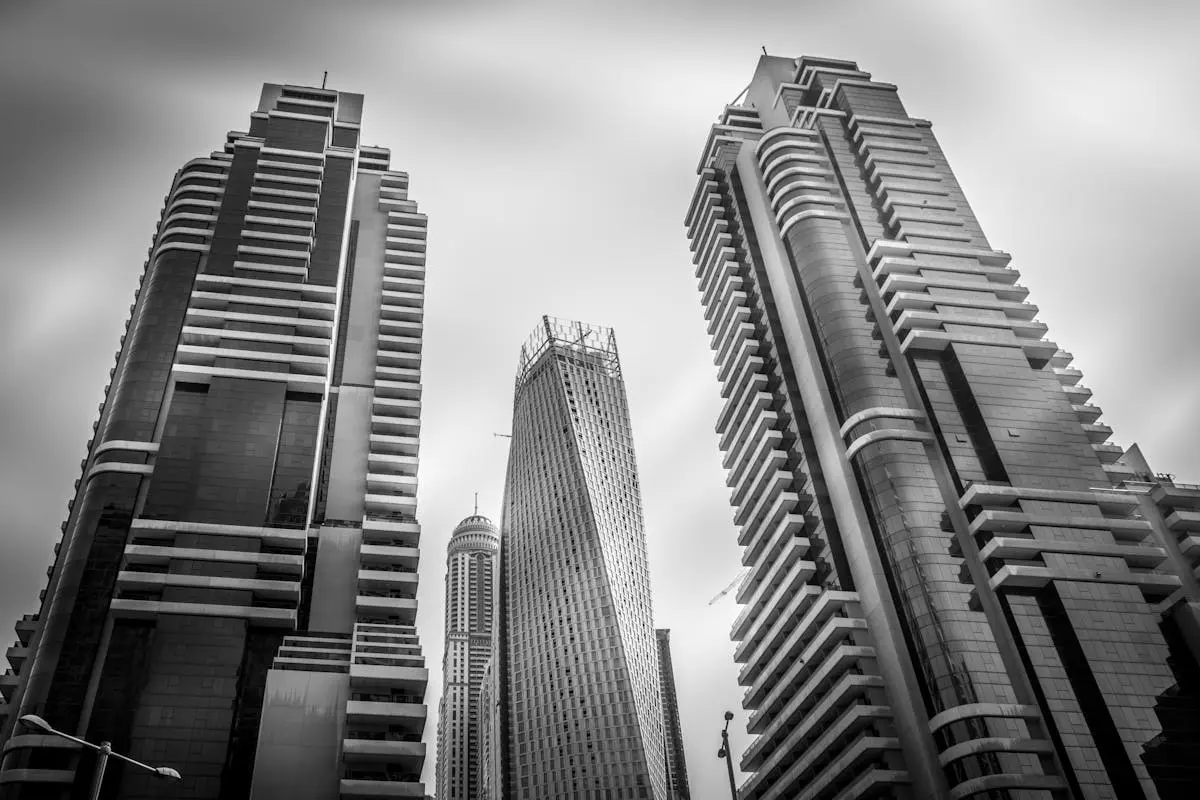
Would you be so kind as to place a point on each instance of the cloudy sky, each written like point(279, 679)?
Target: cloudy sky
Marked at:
point(554, 148)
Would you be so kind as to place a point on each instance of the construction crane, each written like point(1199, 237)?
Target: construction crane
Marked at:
point(733, 584)
point(502, 435)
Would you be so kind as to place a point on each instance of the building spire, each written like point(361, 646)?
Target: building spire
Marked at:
point(477, 504)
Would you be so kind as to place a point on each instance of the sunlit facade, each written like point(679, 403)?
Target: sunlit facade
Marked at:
point(582, 709)
point(951, 590)
point(234, 595)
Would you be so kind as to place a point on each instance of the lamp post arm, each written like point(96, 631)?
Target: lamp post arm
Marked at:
point(70, 738)
point(134, 761)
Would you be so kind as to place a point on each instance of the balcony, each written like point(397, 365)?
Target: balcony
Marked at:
point(387, 712)
point(397, 581)
point(390, 355)
point(391, 533)
point(364, 789)
point(152, 581)
point(8, 685)
point(383, 464)
point(376, 556)
point(1184, 520)
point(404, 384)
point(17, 654)
point(411, 680)
point(402, 610)
point(410, 754)
point(25, 628)
point(394, 445)
point(379, 503)
point(153, 554)
point(395, 425)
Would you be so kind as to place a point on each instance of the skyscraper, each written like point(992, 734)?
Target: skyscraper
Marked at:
point(489, 770)
point(471, 564)
point(948, 592)
point(582, 711)
point(677, 780)
point(234, 592)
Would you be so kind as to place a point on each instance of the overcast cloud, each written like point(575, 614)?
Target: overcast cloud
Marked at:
point(554, 148)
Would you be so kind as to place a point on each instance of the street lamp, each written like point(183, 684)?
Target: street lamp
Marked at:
point(727, 754)
point(104, 749)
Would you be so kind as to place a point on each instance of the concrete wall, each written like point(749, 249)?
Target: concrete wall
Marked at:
point(300, 742)
point(366, 286)
point(336, 581)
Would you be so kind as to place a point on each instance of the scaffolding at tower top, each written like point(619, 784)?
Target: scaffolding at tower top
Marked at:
point(594, 345)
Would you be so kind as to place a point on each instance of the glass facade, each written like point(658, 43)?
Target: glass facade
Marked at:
point(915, 464)
point(198, 589)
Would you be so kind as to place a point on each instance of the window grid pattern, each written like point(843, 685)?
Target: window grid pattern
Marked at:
point(585, 712)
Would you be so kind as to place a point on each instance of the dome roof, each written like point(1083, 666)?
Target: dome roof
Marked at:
point(476, 522)
point(475, 533)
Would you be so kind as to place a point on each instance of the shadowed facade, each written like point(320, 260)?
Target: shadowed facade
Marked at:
point(234, 592)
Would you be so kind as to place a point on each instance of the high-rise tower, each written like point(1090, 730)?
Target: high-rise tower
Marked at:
point(471, 582)
point(581, 705)
point(677, 780)
point(947, 594)
point(234, 592)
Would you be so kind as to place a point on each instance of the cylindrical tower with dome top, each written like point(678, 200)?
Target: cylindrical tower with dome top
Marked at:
point(471, 561)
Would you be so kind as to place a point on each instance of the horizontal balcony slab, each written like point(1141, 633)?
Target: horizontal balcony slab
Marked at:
point(986, 494)
point(382, 554)
point(219, 301)
point(295, 381)
point(154, 554)
point(998, 521)
point(387, 579)
point(1028, 549)
point(387, 464)
point(207, 355)
point(1177, 496)
point(390, 503)
point(143, 581)
point(1189, 546)
point(351, 789)
point(377, 750)
point(402, 609)
point(1153, 585)
point(807, 747)
point(378, 711)
point(216, 337)
point(17, 655)
point(937, 341)
point(775, 621)
point(393, 445)
point(410, 678)
point(1183, 520)
point(126, 608)
point(276, 537)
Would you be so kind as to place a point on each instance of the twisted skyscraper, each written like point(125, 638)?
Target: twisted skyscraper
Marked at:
point(954, 588)
point(234, 592)
point(579, 662)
